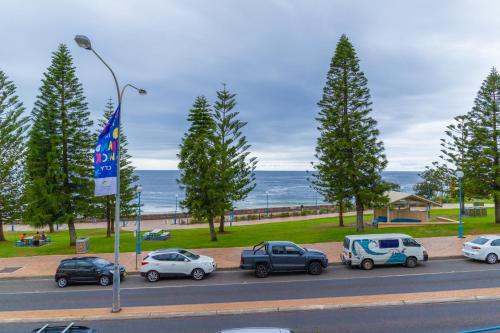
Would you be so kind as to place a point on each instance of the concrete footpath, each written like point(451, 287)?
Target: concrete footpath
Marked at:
point(226, 258)
point(166, 311)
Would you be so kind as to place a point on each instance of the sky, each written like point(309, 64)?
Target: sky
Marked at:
point(424, 61)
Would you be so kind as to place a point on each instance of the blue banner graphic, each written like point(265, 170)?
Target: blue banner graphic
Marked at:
point(105, 154)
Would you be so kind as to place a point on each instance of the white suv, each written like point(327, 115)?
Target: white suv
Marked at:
point(172, 262)
point(485, 248)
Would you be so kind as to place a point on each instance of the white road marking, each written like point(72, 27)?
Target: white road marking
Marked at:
point(246, 282)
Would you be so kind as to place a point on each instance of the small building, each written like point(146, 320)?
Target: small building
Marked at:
point(405, 207)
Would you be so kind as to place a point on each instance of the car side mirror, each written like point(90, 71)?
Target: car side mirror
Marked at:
point(186, 260)
point(302, 253)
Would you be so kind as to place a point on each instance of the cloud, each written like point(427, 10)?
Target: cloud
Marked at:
point(424, 62)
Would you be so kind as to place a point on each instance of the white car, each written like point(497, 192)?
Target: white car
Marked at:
point(173, 262)
point(484, 248)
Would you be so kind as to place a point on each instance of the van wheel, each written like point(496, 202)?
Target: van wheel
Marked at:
point(491, 258)
point(367, 264)
point(411, 262)
point(261, 271)
point(315, 268)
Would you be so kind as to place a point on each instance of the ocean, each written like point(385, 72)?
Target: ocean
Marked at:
point(284, 188)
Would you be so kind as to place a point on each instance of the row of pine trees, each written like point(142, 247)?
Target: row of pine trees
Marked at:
point(46, 161)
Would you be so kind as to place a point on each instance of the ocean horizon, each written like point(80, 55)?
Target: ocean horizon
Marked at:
point(284, 188)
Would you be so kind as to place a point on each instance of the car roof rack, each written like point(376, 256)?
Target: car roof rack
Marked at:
point(65, 330)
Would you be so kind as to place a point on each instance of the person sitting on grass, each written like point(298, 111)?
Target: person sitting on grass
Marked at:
point(43, 236)
point(36, 239)
point(22, 237)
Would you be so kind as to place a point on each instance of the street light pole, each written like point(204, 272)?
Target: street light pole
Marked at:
point(316, 199)
point(460, 175)
point(138, 244)
point(84, 42)
point(175, 213)
point(267, 203)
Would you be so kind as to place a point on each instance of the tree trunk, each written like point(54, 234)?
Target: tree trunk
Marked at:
point(2, 235)
point(360, 227)
point(112, 222)
point(72, 233)
point(51, 228)
point(341, 214)
point(497, 207)
point(213, 236)
point(221, 225)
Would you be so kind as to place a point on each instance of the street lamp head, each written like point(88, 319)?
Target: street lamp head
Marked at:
point(139, 189)
point(142, 92)
point(460, 174)
point(83, 41)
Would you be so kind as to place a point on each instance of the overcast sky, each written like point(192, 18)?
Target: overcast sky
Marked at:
point(424, 60)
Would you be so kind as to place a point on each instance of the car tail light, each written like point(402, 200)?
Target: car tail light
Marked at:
point(241, 260)
point(350, 255)
point(144, 263)
point(475, 248)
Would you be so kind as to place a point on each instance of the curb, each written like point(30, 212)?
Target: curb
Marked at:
point(271, 309)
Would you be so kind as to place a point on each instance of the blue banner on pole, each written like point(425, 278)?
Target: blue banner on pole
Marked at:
point(105, 154)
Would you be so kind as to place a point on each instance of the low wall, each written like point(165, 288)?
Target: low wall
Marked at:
point(240, 214)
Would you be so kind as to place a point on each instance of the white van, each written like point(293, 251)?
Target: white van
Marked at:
point(382, 249)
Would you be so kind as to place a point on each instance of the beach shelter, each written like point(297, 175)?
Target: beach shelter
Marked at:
point(404, 207)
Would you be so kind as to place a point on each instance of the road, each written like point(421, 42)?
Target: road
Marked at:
point(428, 318)
point(231, 286)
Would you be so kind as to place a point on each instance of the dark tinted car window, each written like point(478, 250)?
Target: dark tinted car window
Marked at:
point(496, 242)
point(410, 242)
point(278, 250)
point(83, 264)
point(68, 265)
point(178, 257)
point(164, 257)
point(480, 241)
point(292, 250)
point(388, 243)
point(347, 243)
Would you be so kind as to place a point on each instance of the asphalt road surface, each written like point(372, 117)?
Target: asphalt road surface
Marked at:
point(426, 318)
point(230, 286)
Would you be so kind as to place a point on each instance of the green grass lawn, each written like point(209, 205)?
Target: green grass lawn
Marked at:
point(311, 231)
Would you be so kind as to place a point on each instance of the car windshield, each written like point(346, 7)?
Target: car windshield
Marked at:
point(189, 254)
point(480, 241)
point(101, 262)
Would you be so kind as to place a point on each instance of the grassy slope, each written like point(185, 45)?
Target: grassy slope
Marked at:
point(311, 231)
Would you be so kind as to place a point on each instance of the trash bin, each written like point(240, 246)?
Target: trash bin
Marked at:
point(82, 245)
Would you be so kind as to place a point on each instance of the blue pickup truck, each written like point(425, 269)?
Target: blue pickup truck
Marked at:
point(267, 257)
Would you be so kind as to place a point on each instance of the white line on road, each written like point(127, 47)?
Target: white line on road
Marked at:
point(246, 282)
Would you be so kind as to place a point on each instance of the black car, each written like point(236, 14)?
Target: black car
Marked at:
point(86, 270)
point(71, 328)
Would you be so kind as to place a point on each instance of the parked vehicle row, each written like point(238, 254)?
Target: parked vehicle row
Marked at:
point(364, 251)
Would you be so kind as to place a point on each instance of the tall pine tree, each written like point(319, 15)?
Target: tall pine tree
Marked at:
point(128, 188)
point(13, 127)
point(198, 169)
point(485, 132)
point(236, 177)
point(351, 157)
point(59, 160)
